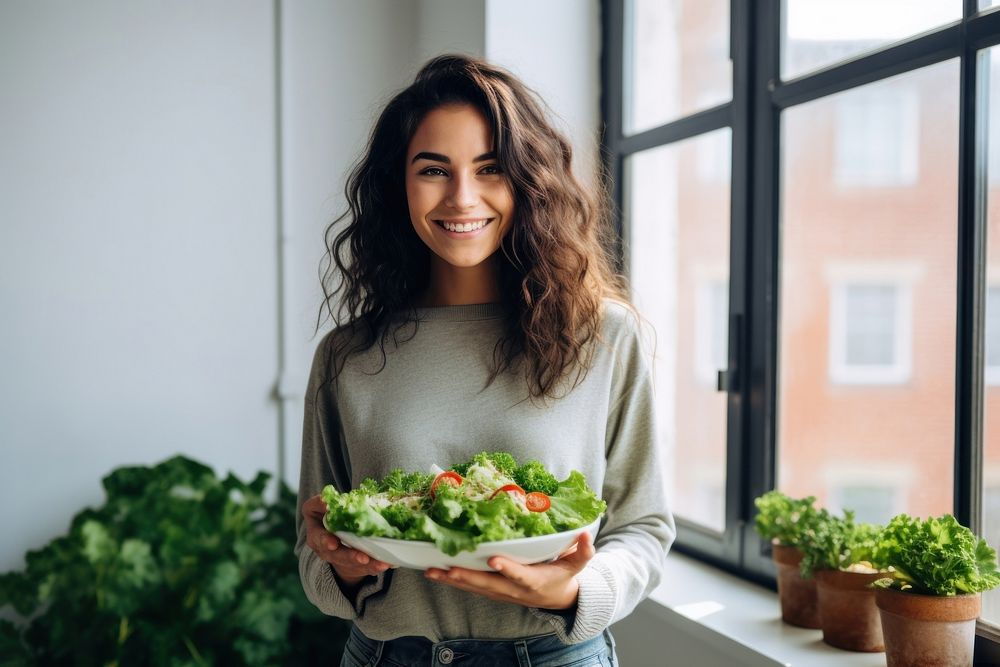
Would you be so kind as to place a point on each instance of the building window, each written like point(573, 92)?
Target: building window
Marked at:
point(871, 331)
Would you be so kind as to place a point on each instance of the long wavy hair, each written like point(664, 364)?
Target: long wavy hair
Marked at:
point(557, 263)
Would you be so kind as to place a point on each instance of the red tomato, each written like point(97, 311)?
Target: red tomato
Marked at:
point(508, 488)
point(447, 477)
point(537, 501)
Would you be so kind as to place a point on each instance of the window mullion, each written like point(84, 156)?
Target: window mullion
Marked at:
point(971, 289)
point(764, 37)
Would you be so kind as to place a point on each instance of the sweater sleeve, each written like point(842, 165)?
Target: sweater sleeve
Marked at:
point(638, 529)
point(325, 461)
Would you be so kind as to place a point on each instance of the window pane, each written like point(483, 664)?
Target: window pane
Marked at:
point(678, 248)
point(991, 321)
point(676, 60)
point(871, 325)
point(866, 383)
point(818, 33)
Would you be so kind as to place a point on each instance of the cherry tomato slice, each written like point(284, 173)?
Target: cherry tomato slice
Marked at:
point(508, 488)
point(449, 477)
point(536, 501)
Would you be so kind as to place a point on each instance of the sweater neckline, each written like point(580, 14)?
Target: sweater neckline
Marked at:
point(463, 313)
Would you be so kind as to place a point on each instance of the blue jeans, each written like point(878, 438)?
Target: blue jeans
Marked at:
point(539, 651)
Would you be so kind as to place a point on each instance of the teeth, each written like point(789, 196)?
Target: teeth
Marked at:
point(464, 227)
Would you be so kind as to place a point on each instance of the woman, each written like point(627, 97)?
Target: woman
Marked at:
point(479, 311)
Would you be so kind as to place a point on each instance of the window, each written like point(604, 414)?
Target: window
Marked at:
point(992, 335)
point(871, 332)
point(875, 495)
point(874, 503)
point(678, 253)
point(808, 193)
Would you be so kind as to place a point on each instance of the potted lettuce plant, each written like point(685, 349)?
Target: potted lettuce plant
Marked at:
point(785, 521)
point(844, 558)
point(930, 603)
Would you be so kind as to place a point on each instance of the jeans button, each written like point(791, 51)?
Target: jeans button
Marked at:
point(446, 655)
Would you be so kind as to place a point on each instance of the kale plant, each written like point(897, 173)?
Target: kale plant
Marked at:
point(937, 556)
point(177, 568)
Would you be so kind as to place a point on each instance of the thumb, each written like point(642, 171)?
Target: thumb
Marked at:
point(584, 552)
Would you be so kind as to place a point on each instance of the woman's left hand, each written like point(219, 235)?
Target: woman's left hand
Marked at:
point(544, 585)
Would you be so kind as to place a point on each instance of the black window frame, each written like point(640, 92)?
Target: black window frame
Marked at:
point(753, 114)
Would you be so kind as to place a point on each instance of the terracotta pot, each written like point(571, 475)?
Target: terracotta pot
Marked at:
point(797, 595)
point(925, 630)
point(847, 611)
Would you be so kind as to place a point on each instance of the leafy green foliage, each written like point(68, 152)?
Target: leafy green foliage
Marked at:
point(835, 543)
point(937, 556)
point(786, 519)
point(177, 567)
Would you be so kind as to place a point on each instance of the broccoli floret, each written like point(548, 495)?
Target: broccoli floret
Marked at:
point(504, 462)
point(533, 476)
point(399, 483)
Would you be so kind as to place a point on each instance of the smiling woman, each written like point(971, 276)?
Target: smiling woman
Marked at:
point(461, 205)
point(469, 234)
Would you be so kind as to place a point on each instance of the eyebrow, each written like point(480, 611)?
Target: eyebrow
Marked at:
point(437, 157)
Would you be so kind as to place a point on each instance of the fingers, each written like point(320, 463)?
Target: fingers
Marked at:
point(313, 507)
point(347, 561)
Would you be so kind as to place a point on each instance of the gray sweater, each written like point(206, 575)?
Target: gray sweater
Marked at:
point(428, 406)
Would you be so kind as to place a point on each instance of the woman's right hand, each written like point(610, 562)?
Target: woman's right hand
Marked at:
point(350, 565)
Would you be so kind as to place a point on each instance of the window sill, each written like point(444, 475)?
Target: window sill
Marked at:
point(732, 620)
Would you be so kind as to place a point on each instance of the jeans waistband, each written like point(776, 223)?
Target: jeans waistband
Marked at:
point(544, 649)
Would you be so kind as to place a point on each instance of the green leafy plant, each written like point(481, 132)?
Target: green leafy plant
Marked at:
point(786, 519)
point(178, 567)
point(937, 556)
point(839, 543)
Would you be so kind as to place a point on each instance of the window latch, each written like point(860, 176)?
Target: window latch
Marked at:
point(728, 379)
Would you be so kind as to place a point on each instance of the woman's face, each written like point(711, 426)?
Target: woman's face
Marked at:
point(461, 206)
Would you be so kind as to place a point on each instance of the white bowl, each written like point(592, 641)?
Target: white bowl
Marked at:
point(422, 555)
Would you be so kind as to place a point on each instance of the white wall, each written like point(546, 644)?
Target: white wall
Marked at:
point(555, 47)
point(140, 211)
point(450, 26)
point(137, 263)
point(340, 62)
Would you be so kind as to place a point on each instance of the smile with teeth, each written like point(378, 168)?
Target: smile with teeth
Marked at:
point(464, 227)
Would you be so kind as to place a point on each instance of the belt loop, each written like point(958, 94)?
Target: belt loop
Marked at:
point(521, 648)
point(377, 656)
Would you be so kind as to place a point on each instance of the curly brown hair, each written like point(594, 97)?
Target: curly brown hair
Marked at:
point(559, 264)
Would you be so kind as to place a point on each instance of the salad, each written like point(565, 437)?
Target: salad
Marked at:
point(487, 499)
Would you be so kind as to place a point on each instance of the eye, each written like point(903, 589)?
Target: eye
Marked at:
point(427, 172)
point(491, 169)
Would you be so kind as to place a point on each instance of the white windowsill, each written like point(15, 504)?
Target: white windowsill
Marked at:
point(741, 619)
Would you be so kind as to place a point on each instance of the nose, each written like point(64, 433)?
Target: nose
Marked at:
point(463, 193)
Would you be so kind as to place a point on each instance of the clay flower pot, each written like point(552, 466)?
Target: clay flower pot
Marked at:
point(923, 630)
point(797, 595)
point(847, 611)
